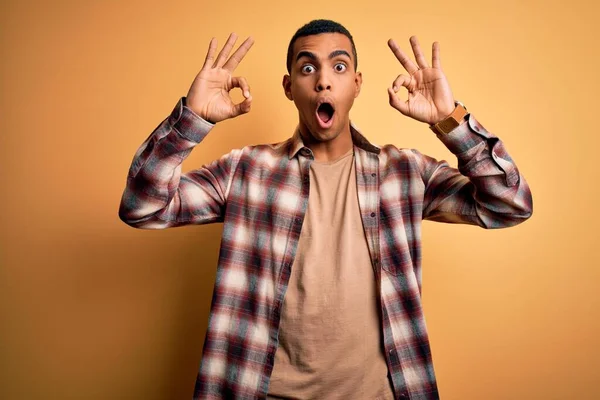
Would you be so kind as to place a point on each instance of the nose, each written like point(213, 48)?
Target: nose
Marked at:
point(323, 82)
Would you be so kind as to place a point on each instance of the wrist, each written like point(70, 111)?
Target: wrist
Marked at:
point(454, 119)
point(451, 107)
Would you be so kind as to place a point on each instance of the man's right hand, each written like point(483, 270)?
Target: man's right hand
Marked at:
point(209, 94)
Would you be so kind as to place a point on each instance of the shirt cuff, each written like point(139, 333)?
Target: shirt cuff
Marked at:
point(189, 124)
point(465, 136)
point(470, 134)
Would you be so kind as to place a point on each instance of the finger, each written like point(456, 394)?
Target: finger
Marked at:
point(398, 104)
point(421, 60)
point(436, 61)
point(239, 54)
point(225, 50)
point(243, 107)
point(240, 82)
point(210, 55)
point(406, 62)
point(402, 80)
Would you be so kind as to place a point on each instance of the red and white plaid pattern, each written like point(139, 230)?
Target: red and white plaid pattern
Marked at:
point(260, 193)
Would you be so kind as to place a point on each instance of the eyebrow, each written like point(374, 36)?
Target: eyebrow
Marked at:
point(333, 54)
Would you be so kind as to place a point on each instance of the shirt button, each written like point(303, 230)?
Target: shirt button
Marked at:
point(372, 214)
point(298, 221)
point(373, 174)
point(306, 178)
point(403, 396)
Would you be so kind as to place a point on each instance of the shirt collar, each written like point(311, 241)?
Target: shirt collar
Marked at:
point(358, 139)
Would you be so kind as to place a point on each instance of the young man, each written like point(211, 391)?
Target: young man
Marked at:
point(318, 287)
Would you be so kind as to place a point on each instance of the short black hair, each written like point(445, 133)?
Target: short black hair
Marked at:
point(316, 27)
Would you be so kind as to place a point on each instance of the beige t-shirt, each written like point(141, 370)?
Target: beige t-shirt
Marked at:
point(330, 344)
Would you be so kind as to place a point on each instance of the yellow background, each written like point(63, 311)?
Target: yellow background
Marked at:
point(93, 309)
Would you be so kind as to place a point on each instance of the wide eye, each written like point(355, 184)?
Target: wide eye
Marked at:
point(340, 67)
point(307, 68)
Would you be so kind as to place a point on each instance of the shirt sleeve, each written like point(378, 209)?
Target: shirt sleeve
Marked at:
point(157, 195)
point(486, 190)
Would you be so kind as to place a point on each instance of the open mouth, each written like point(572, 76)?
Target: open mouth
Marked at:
point(325, 113)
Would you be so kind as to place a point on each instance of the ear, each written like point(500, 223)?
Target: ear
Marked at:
point(358, 83)
point(287, 86)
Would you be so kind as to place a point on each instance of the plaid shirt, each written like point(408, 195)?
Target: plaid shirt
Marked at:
point(260, 193)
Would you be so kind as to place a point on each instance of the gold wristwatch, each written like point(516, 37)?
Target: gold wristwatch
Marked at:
point(452, 121)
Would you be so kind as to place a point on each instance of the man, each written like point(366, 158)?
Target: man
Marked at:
point(318, 287)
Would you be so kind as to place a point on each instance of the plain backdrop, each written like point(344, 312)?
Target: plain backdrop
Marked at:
point(91, 308)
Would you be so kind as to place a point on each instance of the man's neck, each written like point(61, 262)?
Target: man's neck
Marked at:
point(330, 150)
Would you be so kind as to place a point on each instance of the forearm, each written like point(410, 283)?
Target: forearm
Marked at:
point(490, 190)
point(154, 176)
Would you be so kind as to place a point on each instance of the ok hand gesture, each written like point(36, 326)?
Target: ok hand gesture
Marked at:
point(209, 94)
point(429, 96)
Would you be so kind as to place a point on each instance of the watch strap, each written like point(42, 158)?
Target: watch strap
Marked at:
point(452, 121)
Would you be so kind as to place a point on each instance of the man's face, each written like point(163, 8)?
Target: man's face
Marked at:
point(323, 71)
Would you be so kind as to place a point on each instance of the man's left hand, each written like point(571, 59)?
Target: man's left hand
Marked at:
point(430, 99)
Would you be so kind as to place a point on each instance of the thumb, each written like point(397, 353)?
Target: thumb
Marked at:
point(243, 107)
point(397, 103)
